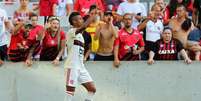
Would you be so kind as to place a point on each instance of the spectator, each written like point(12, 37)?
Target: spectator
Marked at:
point(47, 7)
point(23, 12)
point(197, 13)
point(112, 5)
point(167, 48)
point(194, 38)
point(153, 26)
point(91, 29)
point(135, 8)
point(63, 7)
point(83, 6)
point(18, 49)
point(171, 8)
point(34, 36)
point(181, 25)
point(163, 15)
point(161, 3)
point(129, 43)
point(4, 25)
point(106, 34)
point(53, 43)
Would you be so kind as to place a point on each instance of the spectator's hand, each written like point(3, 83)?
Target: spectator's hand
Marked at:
point(188, 61)
point(29, 62)
point(116, 63)
point(150, 61)
point(135, 52)
point(55, 62)
point(1, 62)
point(111, 20)
point(196, 48)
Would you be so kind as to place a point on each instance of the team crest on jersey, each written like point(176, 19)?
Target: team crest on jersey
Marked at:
point(52, 42)
point(161, 45)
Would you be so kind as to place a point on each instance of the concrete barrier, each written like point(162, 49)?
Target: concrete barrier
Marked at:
point(132, 81)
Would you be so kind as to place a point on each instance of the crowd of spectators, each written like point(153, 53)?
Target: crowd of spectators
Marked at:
point(123, 30)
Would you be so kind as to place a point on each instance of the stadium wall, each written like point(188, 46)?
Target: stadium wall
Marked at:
point(132, 81)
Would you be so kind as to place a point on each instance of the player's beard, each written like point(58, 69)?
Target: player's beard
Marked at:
point(127, 26)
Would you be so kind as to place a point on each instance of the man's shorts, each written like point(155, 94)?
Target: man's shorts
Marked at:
point(77, 76)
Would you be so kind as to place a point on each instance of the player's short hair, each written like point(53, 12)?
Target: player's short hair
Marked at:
point(154, 6)
point(33, 15)
point(167, 28)
point(106, 13)
point(181, 5)
point(50, 19)
point(28, 26)
point(92, 7)
point(72, 15)
point(127, 14)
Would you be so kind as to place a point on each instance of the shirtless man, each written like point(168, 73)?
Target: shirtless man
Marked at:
point(23, 12)
point(106, 34)
point(180, 25)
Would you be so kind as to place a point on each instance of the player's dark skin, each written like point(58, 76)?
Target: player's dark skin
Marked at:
point(78, 23)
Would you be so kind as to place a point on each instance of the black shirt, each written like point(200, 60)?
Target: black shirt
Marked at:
point(167, 51)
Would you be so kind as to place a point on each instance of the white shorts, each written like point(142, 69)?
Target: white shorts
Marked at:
point(77, 76)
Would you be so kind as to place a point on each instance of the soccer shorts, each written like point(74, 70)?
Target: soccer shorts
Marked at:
point(77, 76)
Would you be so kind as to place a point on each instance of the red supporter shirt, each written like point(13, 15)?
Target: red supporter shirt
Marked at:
point(50, 41)
point(32, 39)
point(50, 46)
point(125, 41)
point(46, 7)
point(83, 6)
point(15, 39)
point(14, 52)
point(34, 32)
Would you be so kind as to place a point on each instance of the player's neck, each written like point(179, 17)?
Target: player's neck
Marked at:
point(23, 8)
point(129, 30)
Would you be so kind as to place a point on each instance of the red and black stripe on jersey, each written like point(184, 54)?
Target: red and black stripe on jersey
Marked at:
point(49, 53)
point(17, 55)
point(167, 51)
